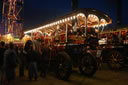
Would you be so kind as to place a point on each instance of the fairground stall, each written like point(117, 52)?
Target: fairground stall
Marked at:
point(10, 38)
point(71, 36)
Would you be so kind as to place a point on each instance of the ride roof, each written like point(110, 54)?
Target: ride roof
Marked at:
point(94, 18)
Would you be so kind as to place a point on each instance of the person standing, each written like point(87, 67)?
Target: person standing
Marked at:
point(31, 60)
point(22, 62)
point(2, 50)
point(10, 63)
point(45, 54)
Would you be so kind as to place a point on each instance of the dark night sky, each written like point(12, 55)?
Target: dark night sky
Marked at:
point(38, 11)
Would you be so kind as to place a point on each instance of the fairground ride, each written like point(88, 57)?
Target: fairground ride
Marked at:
point(12, 16)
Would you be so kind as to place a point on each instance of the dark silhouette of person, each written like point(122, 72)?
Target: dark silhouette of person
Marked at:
point(2, 50)
point(31, 60)
point(44, 60)
point(10, 63)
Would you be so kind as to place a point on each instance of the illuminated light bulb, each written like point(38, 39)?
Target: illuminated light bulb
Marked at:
point(102, 24)
point(103, 20)
point(49, 34)
point(94, 26)
point(105, 24)
point(78, 15)
point(74, 17)
point(39, 28)
point(94, 16)
point(96, 30)
point(65, 20)
point(51, 24)
point(91, 15)
point(96, 19)
point(58, 22)
point(83, 15)
point(71, 18)
point(68, 19)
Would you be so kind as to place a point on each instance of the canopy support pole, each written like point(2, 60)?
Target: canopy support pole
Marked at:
point(66, 33)
point(86, 25)
point(102, 29)
point(32, 35)
point(98, 28)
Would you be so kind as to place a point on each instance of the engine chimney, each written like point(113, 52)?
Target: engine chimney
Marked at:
point(119, 12)
point(74, 4)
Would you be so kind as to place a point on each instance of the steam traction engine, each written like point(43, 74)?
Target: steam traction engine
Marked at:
point(114, 45)
point(68, 38)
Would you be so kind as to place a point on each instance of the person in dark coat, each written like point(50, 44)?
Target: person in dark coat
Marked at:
point(31, 58)
point(10, 63)
point(22, 62)
point(45, 54)
point(2, 50)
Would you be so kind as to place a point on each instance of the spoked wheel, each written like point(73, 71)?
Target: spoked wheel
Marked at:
point(64, 66)
point(115, 60)
point(88, 66)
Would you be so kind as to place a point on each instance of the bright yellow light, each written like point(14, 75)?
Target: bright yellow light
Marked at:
point(68, 18)
point(71, 18)
point(65, 19)
point(96, 30)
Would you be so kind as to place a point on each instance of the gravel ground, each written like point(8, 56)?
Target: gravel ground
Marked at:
point(102, 77)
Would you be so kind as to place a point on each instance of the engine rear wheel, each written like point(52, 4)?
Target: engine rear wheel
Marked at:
point(88, 66)
point(115, 60)
point(64, 66)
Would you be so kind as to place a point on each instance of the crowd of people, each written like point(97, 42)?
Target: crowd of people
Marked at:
point(14, 57)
